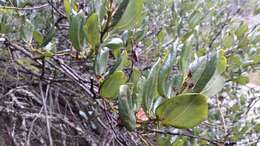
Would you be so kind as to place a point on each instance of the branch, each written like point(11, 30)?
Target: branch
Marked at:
point(57, 10)
point(215, 142)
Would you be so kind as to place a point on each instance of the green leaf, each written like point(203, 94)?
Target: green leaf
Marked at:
point(186, 53)
point(195, 19)
point(163, 140)
point(135, 75)
point(206, 75)
point(178, 142)
point(215, 85)
point(48, 37)
point(160, 36)
point(228, 41)
point(243, 43)
point(67, 7)
point(131, 15)
point(92, 30)
point(222, 62)
point(241, 30)
point(126, 112)
point(37, 36)
point(27, 31)
point(183, 111)
point(165, 72)
point(150, 86)
point(101, 61)
point(125, 62)
point(177, 82)
point(234, 61)
point(100, 7)
point(242, 80)
point(115, 43)
point(256, 59)
point(75, 31)
point(120, 11)
point(110, 87)
point(137, 93)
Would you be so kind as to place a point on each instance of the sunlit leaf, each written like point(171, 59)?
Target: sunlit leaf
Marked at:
point(67, 7)
point(183, 111)
point(132, 13)
point(228, 41)
point(242, 80)
point(207, 74)
point(37, 36)
point(215, 85)
point(241, 30)
point(120, 11)
point(110, 87)
point(92, 30)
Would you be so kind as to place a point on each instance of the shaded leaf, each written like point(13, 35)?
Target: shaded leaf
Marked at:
point(165, 71)
point(150, 86)
point(126, 112)
point(101, 61)
point(27, 31)
point(48, 38)
point(75, 31)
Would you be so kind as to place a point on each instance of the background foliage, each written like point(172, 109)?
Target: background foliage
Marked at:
point(129, 72)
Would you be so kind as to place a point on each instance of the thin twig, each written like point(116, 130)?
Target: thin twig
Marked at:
point(44, 98)
point(25, 9)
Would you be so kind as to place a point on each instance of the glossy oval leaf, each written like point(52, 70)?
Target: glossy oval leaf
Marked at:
point(132, 13)
point(183, 111)
point(101, 61)
point(126, 111)
point(115, 43)
point(110, 87)
point(92, 30)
